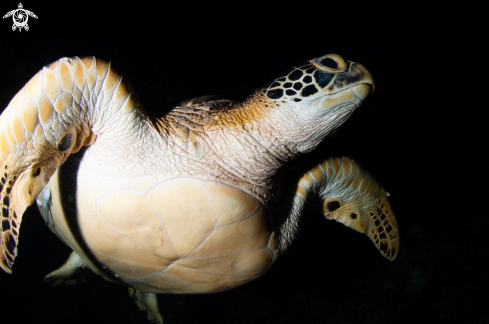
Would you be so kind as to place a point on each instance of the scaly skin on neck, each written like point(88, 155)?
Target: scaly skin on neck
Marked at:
point(249, 141)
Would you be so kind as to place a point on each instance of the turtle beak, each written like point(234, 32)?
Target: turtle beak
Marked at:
point(364, 82)
point(352, 86)
point(358, 78)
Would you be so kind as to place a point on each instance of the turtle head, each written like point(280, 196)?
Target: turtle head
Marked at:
point(318, 95)
point(30, 153)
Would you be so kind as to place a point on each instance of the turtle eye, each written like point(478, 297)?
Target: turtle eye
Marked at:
point(66, 141)
point(331, 63)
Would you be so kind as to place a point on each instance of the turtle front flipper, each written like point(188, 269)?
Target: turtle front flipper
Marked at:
point(50, 118)
point(147, 303)
point(70, 273)
point(350, 196)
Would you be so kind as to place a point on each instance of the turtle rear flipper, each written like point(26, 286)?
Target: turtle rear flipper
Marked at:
point(148, 304)
point(70, 273)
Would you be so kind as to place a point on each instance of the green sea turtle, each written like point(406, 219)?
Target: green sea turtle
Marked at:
point(20, 17)
point(183, 203)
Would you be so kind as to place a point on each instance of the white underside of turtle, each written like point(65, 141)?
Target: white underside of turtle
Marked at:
point(179, 204)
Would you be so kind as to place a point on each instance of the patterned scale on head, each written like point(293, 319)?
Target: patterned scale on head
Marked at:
point(306, 79)
point(179, 204)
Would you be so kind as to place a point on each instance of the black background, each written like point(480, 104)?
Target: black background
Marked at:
point(410, 134)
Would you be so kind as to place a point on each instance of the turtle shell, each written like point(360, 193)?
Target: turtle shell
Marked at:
point(183, 235)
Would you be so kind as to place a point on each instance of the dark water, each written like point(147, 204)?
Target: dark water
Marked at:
point(407, 135)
